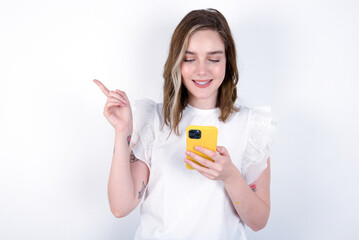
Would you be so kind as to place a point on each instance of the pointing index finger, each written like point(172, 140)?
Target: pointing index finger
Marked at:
point(102, 87)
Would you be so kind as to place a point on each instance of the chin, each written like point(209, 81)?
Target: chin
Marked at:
point(202, 97)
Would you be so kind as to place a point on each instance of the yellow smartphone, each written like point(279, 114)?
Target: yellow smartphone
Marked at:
point(204, 136)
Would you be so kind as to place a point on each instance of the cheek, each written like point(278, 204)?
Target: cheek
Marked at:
point(185, 72)
point(219, 71)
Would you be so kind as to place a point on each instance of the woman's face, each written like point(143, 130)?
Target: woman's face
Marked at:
point(203, 68)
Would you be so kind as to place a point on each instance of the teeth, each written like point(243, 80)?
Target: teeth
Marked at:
point(202, 83)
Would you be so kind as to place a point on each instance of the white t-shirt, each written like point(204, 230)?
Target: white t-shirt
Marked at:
point(183, 204)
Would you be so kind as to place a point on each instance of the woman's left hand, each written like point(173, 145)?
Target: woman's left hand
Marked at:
point(220, 169)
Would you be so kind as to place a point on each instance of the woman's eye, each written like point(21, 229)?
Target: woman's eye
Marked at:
point(189, 60)
point(213, 60)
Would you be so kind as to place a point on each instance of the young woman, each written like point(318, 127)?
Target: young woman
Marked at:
point(217, 198)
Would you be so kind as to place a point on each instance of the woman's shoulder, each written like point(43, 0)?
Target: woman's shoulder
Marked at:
point(143, 102)
point(261, 115)
point(261, 128)
point(146, 110)
point(145, 105)
point(256, 119)
point(261, 125)
point(254, 112)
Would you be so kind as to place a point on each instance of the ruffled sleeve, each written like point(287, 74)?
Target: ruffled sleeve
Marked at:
point(143, 135)
point(261, 128)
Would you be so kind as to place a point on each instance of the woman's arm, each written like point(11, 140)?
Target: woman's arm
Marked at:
point(128, 177)
point(252, 207)
point(252, 203)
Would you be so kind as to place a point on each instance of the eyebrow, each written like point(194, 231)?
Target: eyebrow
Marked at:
point(210, 53)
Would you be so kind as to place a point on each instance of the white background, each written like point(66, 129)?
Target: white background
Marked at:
point(300, 57)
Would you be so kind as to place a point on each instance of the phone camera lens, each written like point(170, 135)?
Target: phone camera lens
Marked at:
point(195, 134)
point(198, 134)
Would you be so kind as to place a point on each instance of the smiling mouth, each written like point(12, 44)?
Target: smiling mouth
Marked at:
point(202, 82)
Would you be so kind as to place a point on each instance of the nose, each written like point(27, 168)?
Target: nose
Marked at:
point(201, 68)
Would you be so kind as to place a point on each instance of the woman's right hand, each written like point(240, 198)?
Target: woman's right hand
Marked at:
point(117, 108)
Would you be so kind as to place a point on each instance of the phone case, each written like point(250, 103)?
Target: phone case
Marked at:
point(208, 139)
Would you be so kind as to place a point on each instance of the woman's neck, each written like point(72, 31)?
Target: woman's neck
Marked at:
point(203, 103)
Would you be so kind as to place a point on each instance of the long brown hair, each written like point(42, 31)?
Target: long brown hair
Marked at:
point(175, 94)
